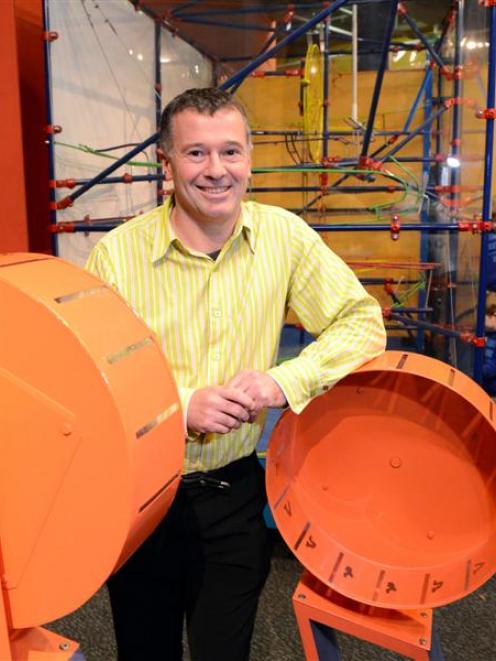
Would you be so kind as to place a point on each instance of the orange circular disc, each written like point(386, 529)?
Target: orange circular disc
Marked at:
point(385, 487)
point(92, 438)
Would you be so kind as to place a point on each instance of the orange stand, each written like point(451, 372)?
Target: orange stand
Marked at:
point(385, 489)
point(406, 632)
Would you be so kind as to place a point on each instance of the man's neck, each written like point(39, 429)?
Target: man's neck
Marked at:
point(201, 236)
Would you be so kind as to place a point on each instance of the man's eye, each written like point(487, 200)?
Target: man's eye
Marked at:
point(232, 152)
point(195, 153)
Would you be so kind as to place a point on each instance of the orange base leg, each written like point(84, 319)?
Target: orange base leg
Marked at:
point(39, 644)
point(407, 632)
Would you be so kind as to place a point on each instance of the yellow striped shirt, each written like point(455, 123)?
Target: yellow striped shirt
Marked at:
point(215, 318)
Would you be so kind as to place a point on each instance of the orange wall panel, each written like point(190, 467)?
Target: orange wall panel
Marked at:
point(13, 220)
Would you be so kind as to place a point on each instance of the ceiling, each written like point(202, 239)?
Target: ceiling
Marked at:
point(248, 22)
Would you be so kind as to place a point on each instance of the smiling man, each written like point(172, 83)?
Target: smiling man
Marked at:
point(214, 277)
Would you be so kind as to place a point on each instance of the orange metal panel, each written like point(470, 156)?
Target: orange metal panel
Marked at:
point(384, 487)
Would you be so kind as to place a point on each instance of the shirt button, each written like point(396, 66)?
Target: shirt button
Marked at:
point(217, 312)
point(216, 356)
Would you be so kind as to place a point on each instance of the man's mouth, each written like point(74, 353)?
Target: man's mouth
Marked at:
point(214, 190)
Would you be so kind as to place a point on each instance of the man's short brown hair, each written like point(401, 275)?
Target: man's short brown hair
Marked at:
point(206, 101)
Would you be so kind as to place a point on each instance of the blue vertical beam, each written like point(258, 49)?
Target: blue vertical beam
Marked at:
point(325, 114)
point(487, 201)
point(158, 101)
point(426, 84)
point(380, 77)
point(455, 174)
point(424, 215)
point(49, 117)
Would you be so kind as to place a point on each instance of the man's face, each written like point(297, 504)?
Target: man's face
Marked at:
point(210, 164)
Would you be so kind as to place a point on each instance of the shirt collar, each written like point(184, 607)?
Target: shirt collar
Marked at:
point(165, 236)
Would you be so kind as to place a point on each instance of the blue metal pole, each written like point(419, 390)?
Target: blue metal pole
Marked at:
point(487, 199)
point(447, 332)
point(158, 101)
point(49, 116)
point(270, 6)
point(413, 134)
point(371, 51)
point(413, 26)
point(379, 78)
point(320, 16)
point(186, 5)
point(223, 24)
point(455, 174)
point(426, 83)
point(334, 227)
point(424, 214)
point(111, 168)
point(325, 113)
point(410, 227)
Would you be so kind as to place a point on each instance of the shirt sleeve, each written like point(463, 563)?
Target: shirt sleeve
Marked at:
point(346, 321)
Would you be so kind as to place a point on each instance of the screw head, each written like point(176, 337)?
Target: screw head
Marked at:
point(423, 642)
point(301, 596)
point(64, 646)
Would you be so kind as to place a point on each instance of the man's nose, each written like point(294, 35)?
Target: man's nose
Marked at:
point(215, 167)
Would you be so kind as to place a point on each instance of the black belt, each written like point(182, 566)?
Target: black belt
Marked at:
point(221, 478)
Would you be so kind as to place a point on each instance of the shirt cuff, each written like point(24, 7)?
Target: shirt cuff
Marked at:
point(300, 381)
point(185, 395)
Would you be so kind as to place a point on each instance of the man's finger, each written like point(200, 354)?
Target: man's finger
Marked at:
point(234, 394)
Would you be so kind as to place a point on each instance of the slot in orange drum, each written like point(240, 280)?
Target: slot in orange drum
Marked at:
point(91, 436)
point(385, 486)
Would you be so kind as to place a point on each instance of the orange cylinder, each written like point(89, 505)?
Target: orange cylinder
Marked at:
point(92, 435)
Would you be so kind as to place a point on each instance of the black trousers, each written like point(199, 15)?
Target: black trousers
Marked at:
point(208, 561)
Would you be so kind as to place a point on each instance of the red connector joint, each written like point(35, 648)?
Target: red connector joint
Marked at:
point(50, 36)
point(476, 226)
point(395, 228)
point(389, 286)
point(367, 163)
point(455, 101)
point(486, 113)
point(487, 3)
point(402, 9)
point(61, 204)
point(127, 178)
point(53, 128)
point(61, 228)
point(329, 161)
point(386, 313)
point(62, 183)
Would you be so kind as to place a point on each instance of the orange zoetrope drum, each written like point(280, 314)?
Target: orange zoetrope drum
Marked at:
point(385, 487)
point(92, 436)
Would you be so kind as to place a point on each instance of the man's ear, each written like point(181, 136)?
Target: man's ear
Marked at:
point(164, 161)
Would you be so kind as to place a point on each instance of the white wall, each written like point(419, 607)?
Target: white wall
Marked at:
point(102, 94)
